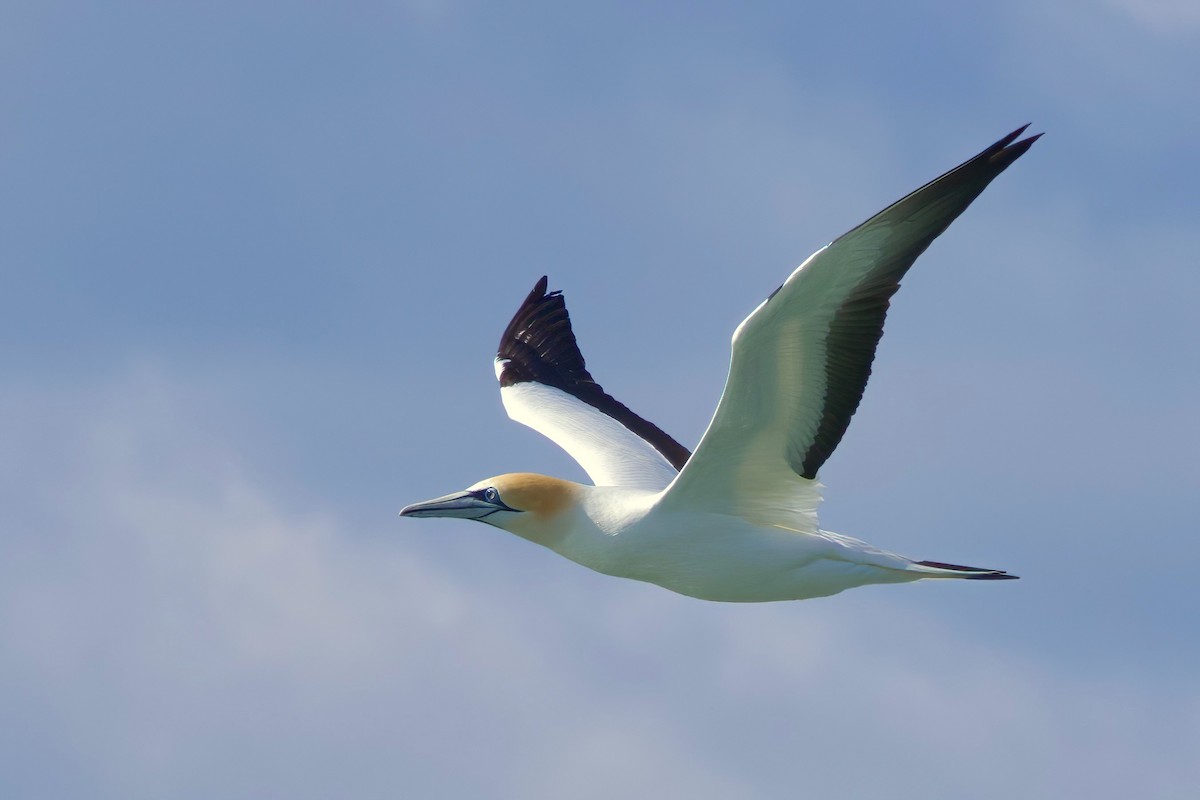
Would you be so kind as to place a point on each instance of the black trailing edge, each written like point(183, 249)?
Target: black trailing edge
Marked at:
point(854, 333)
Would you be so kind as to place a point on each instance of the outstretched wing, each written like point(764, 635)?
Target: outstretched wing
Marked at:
point(544, 384)
point(801, 360)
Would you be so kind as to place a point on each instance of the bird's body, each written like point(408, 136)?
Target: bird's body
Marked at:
point(714, 557)
point(737, 520)
point(631, 533)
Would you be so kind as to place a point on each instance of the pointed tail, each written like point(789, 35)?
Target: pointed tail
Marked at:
point(937, 569)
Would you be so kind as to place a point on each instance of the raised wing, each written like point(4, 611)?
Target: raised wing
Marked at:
point(544, 384)
point(801, 360)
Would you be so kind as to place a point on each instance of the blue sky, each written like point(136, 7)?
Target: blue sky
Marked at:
point(256, 262)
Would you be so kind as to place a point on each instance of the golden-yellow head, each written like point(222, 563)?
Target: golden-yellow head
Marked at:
point(527, 504)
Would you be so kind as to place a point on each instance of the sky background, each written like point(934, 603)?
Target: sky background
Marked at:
point(256, 258)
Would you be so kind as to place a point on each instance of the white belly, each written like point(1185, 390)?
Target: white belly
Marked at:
point(715, 557)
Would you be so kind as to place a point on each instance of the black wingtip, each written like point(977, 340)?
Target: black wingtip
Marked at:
point(538, 292)
point(1008, 149)
point(539, 342)
point(1012, 137)
point(1017, 148)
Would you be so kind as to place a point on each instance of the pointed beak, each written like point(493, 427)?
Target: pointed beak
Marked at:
point(459, 504)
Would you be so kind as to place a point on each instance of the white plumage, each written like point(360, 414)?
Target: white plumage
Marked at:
point(736, 520)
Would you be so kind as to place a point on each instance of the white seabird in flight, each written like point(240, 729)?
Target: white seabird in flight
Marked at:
point(737, 519)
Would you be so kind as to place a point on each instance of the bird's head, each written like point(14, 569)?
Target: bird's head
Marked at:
point(529, 505)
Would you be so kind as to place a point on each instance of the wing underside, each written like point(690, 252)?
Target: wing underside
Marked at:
point(801, 360)
point(545, 384)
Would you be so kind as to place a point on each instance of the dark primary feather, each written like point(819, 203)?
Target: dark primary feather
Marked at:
point(914, 222)
point(540, 346)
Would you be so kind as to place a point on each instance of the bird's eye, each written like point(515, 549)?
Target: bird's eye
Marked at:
point(491, 495)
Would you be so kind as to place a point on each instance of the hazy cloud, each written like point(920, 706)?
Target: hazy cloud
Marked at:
point(177, 629)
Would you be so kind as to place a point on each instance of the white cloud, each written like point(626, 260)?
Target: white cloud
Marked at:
point(178, 629)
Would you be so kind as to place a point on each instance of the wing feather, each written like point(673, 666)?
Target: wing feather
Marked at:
point(545, 384)
point(801, 360)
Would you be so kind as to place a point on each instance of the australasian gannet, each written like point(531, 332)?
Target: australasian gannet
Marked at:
point(737, 519)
